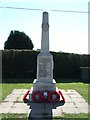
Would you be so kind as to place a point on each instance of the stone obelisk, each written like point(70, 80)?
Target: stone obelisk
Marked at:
point(44, 87)
point(44, 81)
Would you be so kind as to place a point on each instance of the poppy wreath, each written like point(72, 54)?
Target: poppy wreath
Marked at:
point(62, 95)
point(40, 96)
point(50, 96)
point(24, 98)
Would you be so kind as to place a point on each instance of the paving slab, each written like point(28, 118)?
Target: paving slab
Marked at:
point(68, 99)
point(18, 91)
point(83, 110)
point(18, 110)
point(6, 104)
point(78, 100)
point(20, 98)
point(11, 98)
point(81, 105)
point(20, 105)
point(67, 105)
point(70, 110)
point(5, 110)
point(13, 103)
point(57, 112)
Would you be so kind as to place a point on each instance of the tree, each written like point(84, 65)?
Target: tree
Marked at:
point(18, 40)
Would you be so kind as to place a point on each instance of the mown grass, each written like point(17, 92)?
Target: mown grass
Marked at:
point(14, 116)
point(81, 116)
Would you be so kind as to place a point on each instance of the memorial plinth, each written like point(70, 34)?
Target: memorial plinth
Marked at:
point(44, 81)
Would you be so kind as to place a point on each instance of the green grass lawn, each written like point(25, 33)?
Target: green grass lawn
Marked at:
point(64, 117)
point(80, 87)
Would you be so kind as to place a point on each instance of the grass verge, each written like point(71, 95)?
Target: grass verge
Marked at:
point(64, 117)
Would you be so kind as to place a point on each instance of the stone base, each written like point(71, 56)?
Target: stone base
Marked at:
point(44, 86)
point(32, 91)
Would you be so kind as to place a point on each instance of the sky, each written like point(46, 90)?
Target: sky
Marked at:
point(68, 31)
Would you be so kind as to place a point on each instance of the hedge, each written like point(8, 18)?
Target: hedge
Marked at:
point(23, 64)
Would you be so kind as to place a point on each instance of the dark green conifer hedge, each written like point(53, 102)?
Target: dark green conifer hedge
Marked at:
point(23, 64)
